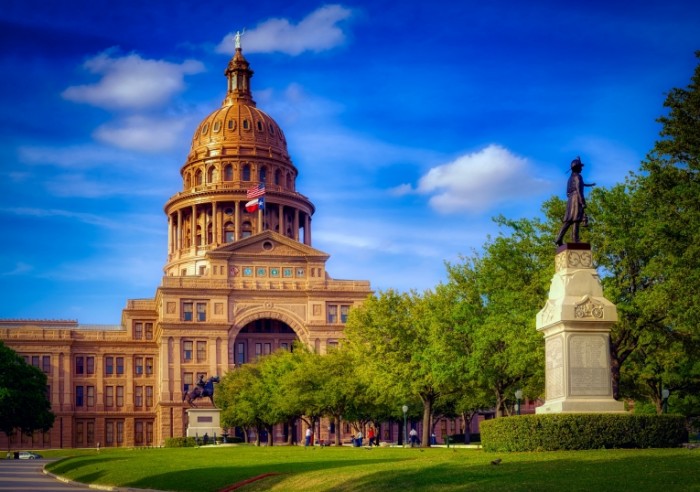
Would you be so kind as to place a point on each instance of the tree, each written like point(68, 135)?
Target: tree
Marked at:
point(407, 347)
point(499, 293)
point(23, 401)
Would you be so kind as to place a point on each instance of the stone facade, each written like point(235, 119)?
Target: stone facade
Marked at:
point(240, 282)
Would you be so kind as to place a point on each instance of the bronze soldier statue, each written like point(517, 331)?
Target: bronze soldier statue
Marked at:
point(575, 203)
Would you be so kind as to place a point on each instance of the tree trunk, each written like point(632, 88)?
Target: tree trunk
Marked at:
point(338, 421)
point(615, 375)
point(427, 414)
point(270, 434)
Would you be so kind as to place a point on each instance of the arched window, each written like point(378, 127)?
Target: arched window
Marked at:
point(278, 176)
point(246, 229)
point(228, 172)
point(211, 174)
point(289, 181)
point(210, 234)
point(198, 178)
point(229, 232)
point(188, 180)
point(199, 235)
point(262, 175)
point(245, 173)
point(246, 125)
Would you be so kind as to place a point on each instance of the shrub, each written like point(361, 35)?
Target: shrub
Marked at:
point(180, 442)
point(572, 431)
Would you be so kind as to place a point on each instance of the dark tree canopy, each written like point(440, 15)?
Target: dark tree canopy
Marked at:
point(23, 402)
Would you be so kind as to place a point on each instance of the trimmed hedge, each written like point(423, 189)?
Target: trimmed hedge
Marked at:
point(180, 442)
point(572, 431)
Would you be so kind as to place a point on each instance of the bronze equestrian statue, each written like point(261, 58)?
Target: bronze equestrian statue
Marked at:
point(201, 390)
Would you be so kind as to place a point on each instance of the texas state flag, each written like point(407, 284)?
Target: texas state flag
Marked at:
point(253, 205)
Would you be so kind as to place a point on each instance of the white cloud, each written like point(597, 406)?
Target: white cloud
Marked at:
point(131, 82)
point(476, 182)
point(20, 268)
point(144, 134)
point(144, 224)
point(318, 31)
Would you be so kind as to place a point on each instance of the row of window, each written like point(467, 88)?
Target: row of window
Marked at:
point(85, 365)
point(261, 349)
point(337, 313)
point(212, 176)
point(113, 396)
point(42, 362)
point(143, 331)
point(114, 432)
point(188, 347)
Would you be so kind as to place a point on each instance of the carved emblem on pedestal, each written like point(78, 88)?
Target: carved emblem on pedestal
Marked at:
point(587, 308)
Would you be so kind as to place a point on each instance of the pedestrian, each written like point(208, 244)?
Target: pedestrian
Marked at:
point(414, 437)
point(370, 436)
point(358, 438)
point(307, 440)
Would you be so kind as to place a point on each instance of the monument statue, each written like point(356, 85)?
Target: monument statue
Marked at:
point(575, 203)
point(237, 38)
point(201, 390)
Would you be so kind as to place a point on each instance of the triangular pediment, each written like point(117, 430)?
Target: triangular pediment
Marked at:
point(268, 244)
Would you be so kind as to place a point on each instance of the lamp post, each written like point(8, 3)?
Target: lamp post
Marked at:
point(405, 410)
point(518, 397)
point(664, 402)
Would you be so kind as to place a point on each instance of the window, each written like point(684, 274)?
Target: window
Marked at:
point(149, 433)
point(149, 331)
point(201, 311)
point(79, 365)
point(332, 314)
point(246, 173)
point(138, 396)
point(120, 365)
point(90, 390)
point(332, 311)
point(109, 396)
point(79, 428)
point(120, 432)
point(138, 366)
point(201, 351)
point(262, 174)
point(284, 346)
point(258, 350)
point(278, 175)
point(109, 433)
point(109, 366)
point(240, 353)
point(138, 330)
point(90, 432)
point(228, 173)
point(187, 380)
point(267, 348)
point(46, 364)
point(246, 125)
point(229, 231)
point(149, 366)
point(138, 432)
point(120, 396)
point(78, 396)
point(149, 396)
point(187, 311)
point(90, 364)
point(187, 350)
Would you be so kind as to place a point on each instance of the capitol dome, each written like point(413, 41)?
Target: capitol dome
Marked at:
point(235, 149)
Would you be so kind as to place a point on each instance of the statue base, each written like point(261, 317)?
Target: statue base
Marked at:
point(204, 421)
point(576, 323)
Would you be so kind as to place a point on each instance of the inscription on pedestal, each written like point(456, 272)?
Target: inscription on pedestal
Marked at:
point(554, 369)
point(588, 366)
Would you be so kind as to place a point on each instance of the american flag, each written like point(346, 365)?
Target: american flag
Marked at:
point(256, 191)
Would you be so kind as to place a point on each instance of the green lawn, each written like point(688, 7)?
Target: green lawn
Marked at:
point(345, 469)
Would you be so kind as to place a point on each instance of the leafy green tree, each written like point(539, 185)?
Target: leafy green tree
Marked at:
point(23, 402)
point(407, 348)
point(500, 292)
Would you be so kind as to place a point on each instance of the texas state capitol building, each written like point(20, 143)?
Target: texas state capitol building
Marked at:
point(238, 284)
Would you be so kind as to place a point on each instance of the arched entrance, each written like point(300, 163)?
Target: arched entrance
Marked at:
point(262, 337)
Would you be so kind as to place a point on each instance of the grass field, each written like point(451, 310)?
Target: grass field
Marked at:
point(386, 469)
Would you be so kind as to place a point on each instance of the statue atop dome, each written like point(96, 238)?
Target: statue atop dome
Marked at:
point(237, 39)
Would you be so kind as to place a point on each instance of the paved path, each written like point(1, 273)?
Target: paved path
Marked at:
point(27, 476)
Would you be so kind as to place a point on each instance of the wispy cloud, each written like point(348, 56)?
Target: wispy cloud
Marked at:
point(478, 181)
point(131, 82)
point(20, 268)
point(143, 134)
point(76, 157)
point(318, 31)
point(137, 223)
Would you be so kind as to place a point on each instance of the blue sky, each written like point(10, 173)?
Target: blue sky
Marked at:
point(412, 124)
